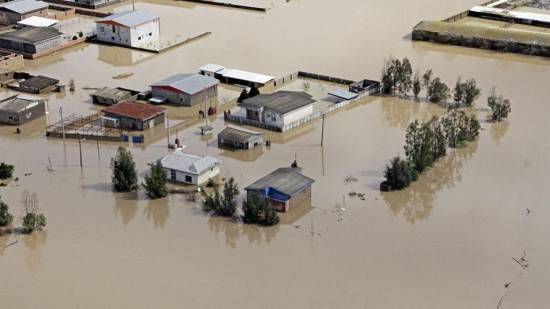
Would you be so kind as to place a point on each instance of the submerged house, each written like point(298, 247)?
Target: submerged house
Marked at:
point(239, 138)
point(276, 110)
point(138, 29)
point(283, 189)
point(31, 40)
point(17, 10)
point(110, 96)
point(186, 90)
point(17, 111)
point(188, 168)
point(33, 84)
point(134, 116)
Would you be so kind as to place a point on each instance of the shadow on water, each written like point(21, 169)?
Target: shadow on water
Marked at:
point(416, 202)
point(158, 212)
point(126, 209)
point(232, 232)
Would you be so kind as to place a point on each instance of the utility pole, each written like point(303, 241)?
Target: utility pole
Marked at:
point(62, 122)
point(98, 154)
point(168, 133)
point(323, 130)
point(80, 149)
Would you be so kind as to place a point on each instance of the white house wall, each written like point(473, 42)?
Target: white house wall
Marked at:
point(298, 114)
point(195, 180)
point(142, 36)
point(211, 173)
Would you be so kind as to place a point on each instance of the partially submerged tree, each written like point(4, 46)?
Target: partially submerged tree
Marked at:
point(6, 170)
point(500, 107)
point(397, 76)
point(155, 182)
point(258, 211)
point(32, 220)
point(5, 217)
point(222, 204)
point(465, 93)
point(438, 91)
point(416, 85)
point(427, 79)
point(124, 176)
point(399, 174)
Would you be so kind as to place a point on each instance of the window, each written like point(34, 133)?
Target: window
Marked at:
point(114, 28)
point(139, 38)
point(150, 33)
point(188, 179)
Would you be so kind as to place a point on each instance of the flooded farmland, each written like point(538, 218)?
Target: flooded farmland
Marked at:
point(448, 241)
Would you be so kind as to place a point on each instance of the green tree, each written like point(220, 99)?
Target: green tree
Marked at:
point(399, 174)
point(427, 79)
point(500, 107)
point(243, 96)
point(466, 93)
point(5, 217)
point(404, 80)
point(212, 202)
point(438, 91)
point(32, 220)
point(229, 200)
point(387, 79)
point(254, 91)
point(124, 176)
point(416, 85)
point(155, 182)
point(458, 92)
point(258, 211)
point(6, 170)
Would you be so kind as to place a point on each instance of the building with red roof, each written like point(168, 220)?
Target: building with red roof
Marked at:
point(131, 115)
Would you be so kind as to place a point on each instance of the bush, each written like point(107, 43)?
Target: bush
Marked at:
point(397, 76)
point(500, 107)
point(32, 220)
point(438, 91)
point(258, 211)
point(399, 174)
point(6, 170)
point(466, 93)
point(5, 217)
point(222, 205)
point(211, 183)
point(254, 91)
point(124, 171)
point(155, 182)
point(243, 96)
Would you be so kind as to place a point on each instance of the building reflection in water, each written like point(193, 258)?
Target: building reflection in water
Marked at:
point(416, 202)
point(119, 56)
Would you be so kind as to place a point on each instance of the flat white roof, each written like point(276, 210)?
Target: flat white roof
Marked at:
point(37, 21)
point(343, 94)
point(513, 13)
point(212, 68)
point(248, 76)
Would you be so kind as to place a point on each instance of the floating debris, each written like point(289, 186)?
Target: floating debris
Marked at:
point(351, 179)
point(123, 75)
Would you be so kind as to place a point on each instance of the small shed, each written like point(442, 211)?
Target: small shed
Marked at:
point(365, 86)
point(110, 96)
point(283, 189)
point(239, 138)
point(38, 84)
point(212, 70)
point(17, 111)
point(134, 115)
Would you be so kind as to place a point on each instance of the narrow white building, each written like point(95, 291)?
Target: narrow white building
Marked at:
point(189, 169)
point(138, 29)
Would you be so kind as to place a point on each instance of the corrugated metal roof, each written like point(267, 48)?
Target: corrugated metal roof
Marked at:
point(238, 135)
point(343, 94)
point(212, 68)
point(31, 35)
point(134, 110)
point(188, 83)
point(188, 163)
point(16, 104)
point(280, 102)
point(287, 180)
point(24, 6)
point(129, 18)
point(248, 76)
point(37, 21)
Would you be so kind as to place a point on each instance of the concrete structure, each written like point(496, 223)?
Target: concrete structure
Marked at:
point(239, 138)
point(14, 11)
point(186, 90)
point(137, 29)
point(17, 111)
point(278, 109)
point(37, 21)
point(31, 40)
point(6, 75)
point(189, 169)
point(135, 116)
point(11, 61)
point(35, 84)
point(233, 76)
point(95, 3)
point(110, 96)
point(282, 189)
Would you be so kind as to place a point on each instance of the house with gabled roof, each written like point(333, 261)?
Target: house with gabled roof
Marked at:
point(131, 115)
point(186, 90)
point(188, 168)
point(283, 189)
point(14, 11)
point(137, 29)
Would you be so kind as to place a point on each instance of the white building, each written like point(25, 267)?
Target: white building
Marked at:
point(279, 109)
point(138, 29)
point(190, 169)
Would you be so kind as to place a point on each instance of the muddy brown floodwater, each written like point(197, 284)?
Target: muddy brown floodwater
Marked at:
point(446, 242)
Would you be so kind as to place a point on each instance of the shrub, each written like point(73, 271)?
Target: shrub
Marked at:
point(155, 182)
point(500, 107)
point(438, 91)
point(254, 91)
point(243, 96)
point(399, 174)
point(258, 211)
point(32, 220)
point(6, 170)
point(222, 205)
point(124, 171)
point(5, 217)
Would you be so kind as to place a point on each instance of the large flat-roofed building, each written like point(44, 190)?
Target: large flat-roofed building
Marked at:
point(15, 11)
point(135, 116)
point(188, 168)
point(186, 90)
point(138, 29)
point(31, 40)
point(283, 189)
point(17, 111)
point(277, 110)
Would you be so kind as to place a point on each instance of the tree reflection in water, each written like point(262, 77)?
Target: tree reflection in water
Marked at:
point(158, 212)
point(399, 113)
point(232, 231)
point(126, 207)
point(498, 130)
point(416, 202)
point(34, 242)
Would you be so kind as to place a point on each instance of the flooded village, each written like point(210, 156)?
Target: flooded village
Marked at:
point(289, 101)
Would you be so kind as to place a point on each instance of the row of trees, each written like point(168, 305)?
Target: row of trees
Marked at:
point(31, 221)
point(6, 170)
point(125, 178)
point(425, 143)
point(255, 209)
point(397, 78)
